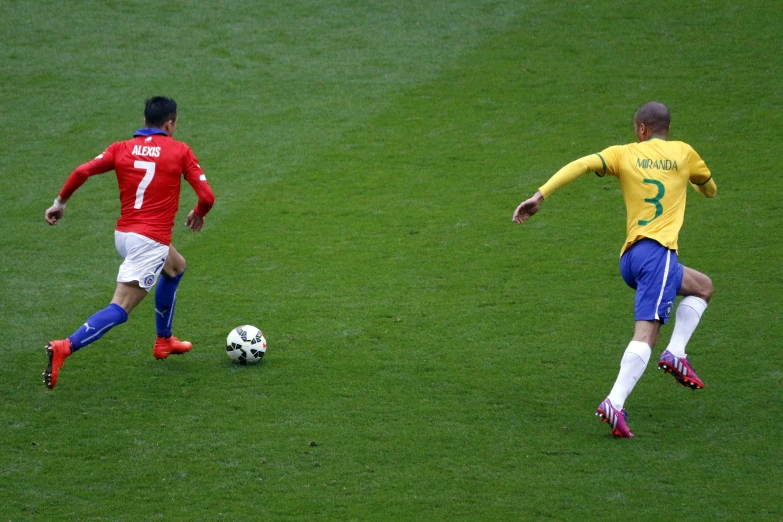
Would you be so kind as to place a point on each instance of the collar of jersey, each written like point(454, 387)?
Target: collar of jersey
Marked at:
point(149, 131)
point(655, 138)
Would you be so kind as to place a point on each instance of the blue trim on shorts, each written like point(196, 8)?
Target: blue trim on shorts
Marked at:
point(644, 268)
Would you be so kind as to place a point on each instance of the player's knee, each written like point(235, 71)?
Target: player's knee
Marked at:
point(175, 269)
point(175, 265)
point(705, 289)
point(180, 267)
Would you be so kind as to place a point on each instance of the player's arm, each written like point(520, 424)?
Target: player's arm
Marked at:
point(206, 198)
point(564, 176)
point(707, 188)
point(701, 177)
point(103, 163)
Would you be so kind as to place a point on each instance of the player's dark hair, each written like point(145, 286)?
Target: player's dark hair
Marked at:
point(654, 115)
point(158, 110)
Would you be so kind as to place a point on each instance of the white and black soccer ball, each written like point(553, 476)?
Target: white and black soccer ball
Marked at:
point(245, 345)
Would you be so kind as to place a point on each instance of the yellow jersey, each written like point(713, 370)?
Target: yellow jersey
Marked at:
point(654, 177)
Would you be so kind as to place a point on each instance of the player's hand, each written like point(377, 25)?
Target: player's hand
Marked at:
point(53, 214)
point(527, 208)
point(194, 221)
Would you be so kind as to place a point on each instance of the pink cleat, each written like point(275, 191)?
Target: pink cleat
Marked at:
point(680, 369)
point(616, 419)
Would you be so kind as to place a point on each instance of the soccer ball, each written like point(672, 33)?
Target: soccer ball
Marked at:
point(245, 345)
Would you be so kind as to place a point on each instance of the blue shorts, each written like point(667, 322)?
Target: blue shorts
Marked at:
point(655, 273)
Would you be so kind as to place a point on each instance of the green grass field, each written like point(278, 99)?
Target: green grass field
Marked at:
point(428, 360)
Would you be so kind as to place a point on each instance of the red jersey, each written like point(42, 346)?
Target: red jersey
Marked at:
point(149, 171)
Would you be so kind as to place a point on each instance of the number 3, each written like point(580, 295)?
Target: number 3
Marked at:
point(655, 201)
point(149, 167)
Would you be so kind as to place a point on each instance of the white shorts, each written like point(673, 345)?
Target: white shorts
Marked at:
point(144, 258)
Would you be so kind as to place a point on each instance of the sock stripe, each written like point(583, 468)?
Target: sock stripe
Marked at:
point(98, 333)
point(171, 311)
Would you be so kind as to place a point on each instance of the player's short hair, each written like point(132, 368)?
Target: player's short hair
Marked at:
point(654, 115)
point(158, 110)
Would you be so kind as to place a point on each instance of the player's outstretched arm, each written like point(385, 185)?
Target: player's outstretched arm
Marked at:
point(103, 163)
point(564, 176)
point(55, 212)
point(527, 208)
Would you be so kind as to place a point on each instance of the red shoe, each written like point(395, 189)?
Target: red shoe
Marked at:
point(170, 345)
point(57, 351)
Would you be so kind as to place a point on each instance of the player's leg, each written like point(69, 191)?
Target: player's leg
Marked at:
point(166, 292)
point(165, 304)
point(143, 262)
point(634, 361)
point(696, 284)
point(647, 332)
point(650, 269)
point(126, 297)
point(697, 289)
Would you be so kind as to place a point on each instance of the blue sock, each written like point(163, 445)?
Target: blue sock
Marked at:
point(97, 325)
point(165, 302)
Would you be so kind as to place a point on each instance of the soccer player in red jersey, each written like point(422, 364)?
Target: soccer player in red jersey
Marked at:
point(149, 171)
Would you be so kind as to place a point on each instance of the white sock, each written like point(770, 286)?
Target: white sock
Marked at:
point(632, 366)
point(689, 312)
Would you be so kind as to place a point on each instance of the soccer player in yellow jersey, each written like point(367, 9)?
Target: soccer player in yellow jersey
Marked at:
point(654, 175)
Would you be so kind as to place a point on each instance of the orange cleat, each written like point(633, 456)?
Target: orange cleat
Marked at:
point(164, 346)
point(57, 351)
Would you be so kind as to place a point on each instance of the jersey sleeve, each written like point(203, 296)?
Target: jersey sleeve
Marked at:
point(700, 175)
point(190, 167)
point(564, 176)
point(102, 163)
point(195, 176)
point(610, 161)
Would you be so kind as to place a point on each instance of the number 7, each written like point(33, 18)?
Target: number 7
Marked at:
point(149, 167)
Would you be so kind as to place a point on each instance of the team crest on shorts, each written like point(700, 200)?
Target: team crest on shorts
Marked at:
point(669, 306)
point(148, 281)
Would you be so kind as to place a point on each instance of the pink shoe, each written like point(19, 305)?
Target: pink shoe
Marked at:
point(680, 369)
point(616, 419)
